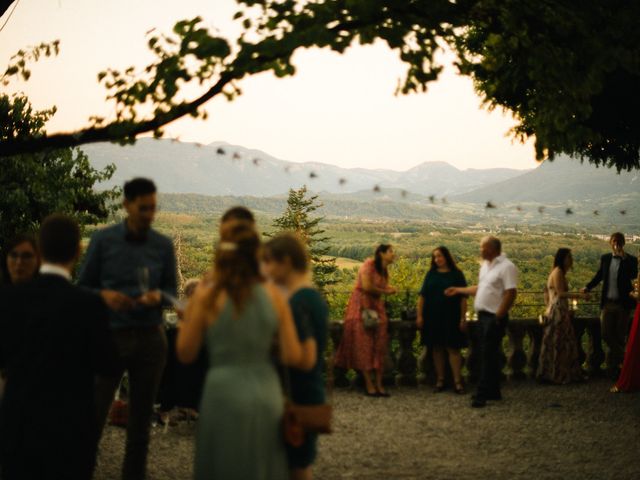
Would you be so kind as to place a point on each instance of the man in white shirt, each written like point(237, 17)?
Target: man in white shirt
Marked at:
point(494, 296)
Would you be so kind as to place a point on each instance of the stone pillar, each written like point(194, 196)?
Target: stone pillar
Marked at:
point(473, 360)
point(517, 358)
point(388, 375)
point(595, 357)
point(579, 327)
point(340, 379)
point(535, 337)
point(406, 361)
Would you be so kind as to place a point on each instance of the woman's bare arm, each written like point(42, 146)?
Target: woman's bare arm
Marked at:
point(200, 312)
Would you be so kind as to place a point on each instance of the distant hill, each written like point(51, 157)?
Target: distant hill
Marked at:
point(391, 205)
point(208, 179)
point(223, 169)
point(563, 180)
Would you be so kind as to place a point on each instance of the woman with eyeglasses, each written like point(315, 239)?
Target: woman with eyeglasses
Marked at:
point(21, 260)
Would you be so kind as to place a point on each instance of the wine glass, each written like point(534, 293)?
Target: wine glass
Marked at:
point(143, 279)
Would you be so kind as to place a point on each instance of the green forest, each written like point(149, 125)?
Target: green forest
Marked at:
point(352, 241)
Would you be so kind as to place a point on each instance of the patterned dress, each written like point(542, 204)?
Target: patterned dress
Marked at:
point(559, 361)
point(362, 349)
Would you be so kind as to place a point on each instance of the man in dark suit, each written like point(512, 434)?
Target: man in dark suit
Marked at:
point(617, 272)
point(54, 339)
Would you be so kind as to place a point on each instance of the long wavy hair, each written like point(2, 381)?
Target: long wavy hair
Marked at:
point(377, 259)
point(236, 268)
point(451, 263)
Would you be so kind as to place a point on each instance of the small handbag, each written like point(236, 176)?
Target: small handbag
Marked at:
point(370, 318)
point(298, 419)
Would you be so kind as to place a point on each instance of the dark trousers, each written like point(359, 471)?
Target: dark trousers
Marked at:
point(615, 321)
point(490, 333)
point(143, 352)
point(181, 385)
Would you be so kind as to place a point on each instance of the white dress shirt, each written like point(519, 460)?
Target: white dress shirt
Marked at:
point(614, 266)
point(495, 277)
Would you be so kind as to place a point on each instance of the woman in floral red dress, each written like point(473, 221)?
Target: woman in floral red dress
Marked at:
point(363, 348)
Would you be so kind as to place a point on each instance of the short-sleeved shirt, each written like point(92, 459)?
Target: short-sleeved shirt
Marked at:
point(311, 317)
point(494, 279)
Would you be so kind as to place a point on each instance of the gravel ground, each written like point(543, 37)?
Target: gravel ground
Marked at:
point(536, 432)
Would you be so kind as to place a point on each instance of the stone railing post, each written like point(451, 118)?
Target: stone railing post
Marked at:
point(535, 342)
point(340, 379)
point(595, 357)
point(406, 360)
point(473, 360)
point(517, 358)
point(388, 377)
point(579, 328)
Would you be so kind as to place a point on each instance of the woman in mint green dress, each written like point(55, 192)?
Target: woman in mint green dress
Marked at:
point(237, 315)
point(287, 264)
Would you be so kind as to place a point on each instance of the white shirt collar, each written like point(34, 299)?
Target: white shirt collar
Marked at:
point(55, 270)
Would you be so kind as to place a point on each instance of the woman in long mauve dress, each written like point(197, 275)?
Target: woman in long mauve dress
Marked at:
point(629, 379)
point(364, 349)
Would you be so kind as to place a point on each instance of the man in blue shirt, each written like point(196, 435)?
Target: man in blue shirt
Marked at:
point(133, 267)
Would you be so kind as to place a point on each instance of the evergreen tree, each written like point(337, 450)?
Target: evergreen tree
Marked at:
point(297, 218)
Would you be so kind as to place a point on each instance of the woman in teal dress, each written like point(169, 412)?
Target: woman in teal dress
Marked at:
point(441, 319)
point(287, 264)
point(239, 432)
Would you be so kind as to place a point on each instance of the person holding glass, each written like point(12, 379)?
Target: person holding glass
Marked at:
point(133, 267)
point(441, 319)
point(364, 347)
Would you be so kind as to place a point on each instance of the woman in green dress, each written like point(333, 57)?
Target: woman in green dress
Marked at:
point(287, 264)
point(441, 319)
point(237, 315)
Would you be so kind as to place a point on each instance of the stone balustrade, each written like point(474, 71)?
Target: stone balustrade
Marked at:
point(409, 364)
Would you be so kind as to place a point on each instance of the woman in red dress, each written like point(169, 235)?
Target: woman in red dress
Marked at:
point(629, 379)
point(364, 349)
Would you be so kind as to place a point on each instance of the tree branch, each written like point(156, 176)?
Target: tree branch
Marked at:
point(114, 131)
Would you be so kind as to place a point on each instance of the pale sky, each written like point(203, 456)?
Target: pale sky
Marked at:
point(337, 109)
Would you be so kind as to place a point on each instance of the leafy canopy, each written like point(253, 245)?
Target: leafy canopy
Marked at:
point(567, 70)
point(35, 185)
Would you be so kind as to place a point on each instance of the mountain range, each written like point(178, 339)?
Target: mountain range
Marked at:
point(563, 191)
point(223, 169)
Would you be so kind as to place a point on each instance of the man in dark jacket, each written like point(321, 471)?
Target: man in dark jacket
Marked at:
point(617, 272)
point(54, 339)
